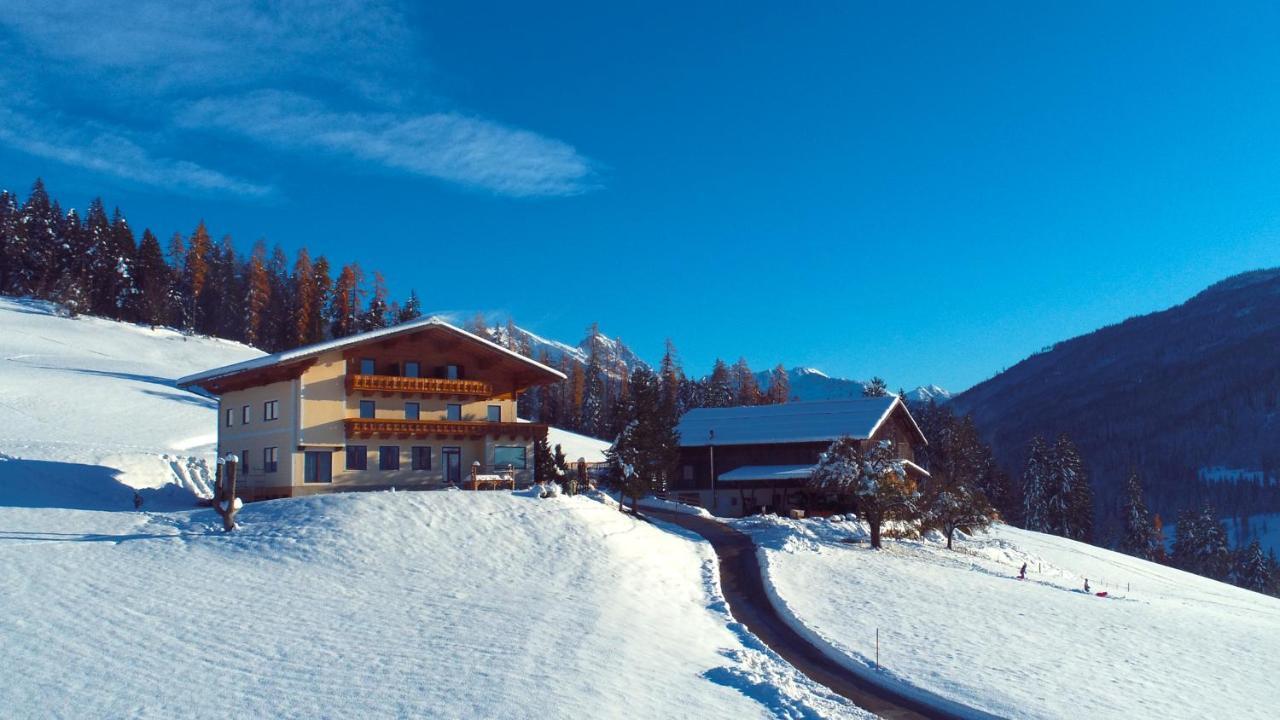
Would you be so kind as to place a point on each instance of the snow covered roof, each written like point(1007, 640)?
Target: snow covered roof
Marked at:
point(816, 421)
point(308, 351)
point(768, 472)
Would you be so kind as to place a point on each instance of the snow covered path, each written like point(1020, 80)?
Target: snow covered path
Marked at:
point(441, 604)
point(1166, 643)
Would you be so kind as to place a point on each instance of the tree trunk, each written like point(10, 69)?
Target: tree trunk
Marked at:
point(224, 493)
point(873, 520)
point(950, 532)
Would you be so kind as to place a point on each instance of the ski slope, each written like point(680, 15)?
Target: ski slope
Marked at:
point(1165, 644)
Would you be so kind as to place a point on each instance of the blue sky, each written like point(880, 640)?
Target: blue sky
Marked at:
point(927, 192)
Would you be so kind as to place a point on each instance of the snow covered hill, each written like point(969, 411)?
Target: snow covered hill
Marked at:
point(1164, 643)
point(88, 410)
point(411, 604)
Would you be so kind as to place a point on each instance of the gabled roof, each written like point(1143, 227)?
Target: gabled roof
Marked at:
point(817, 421)
point(311, 351)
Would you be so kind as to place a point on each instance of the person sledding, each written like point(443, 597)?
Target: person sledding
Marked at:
point(1022, 574)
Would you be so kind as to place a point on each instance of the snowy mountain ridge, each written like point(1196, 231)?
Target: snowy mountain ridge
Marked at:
point(808, 383)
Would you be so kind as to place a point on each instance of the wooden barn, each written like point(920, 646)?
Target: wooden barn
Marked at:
point(744, 460)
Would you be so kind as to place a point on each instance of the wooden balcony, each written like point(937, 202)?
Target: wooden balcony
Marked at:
point(392, 384)
point(457, 429)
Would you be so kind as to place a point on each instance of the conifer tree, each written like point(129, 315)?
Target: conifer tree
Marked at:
point(322, 288)
point(1035, 479)
point(577, 391)
point(123, 250)
point(9, 249)
point(195, 272)
point(1138, 536)
point(70, 282)
point(375, 315)
point(592, 418)
point(875, 387)
point(302, 299)
point(278, 325)
point(745, 384)
point(645, 453)
point(671, 375)
point(37, 244)
point(779, 386)
point(1200, 544)
point(344, 308)
point(410, 310)
point(153, 280)
point(1252, 570)
point(1070, 502)
point(257, 295)
point(719, 388)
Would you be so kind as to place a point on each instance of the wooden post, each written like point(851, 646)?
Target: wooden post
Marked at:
point(224, 492)
point(475, 481)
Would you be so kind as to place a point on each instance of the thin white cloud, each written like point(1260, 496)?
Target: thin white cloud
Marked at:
point(246, 69)
point(105, 151)
point(446, 145)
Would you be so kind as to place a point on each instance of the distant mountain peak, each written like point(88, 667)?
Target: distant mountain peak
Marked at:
point(801, 371)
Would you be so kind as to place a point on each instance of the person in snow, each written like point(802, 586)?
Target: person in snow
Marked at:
point(1022, 574)
point(1086, 585)
point(137, 500)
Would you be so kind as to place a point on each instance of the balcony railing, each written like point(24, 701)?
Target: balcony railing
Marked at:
point(369, 427)
point(417, 386)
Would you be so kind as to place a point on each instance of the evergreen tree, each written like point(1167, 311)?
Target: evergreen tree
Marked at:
point(71, 280)
point(1252, 570)
point(779, 386)
point(375, 316)
point(1200, 544)
point(745, 384)
point(958, 462)
point(1139, 538)
point(278, 325)
point(643, 457)
point(322, 288)
point(577, 391)
point(38, 248)
point(1071, 500)
point(124, 250)
point(153, 280)
point(875, 387)
point(1035, 480)
point(411, 310)
point(720, 389)
point(592, 419)
point(10, 253)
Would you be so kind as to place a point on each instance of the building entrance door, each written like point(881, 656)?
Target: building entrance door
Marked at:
point(452, 457)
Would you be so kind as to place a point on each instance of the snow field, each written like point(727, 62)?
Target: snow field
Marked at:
point(960, 625)
point(441, 604)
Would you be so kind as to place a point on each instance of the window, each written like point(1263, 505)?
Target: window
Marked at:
point(411, 368)
point(357, 457)
point(367, 408)
point(389, 457)
point(244, 415)
point(495, 413)
point(269, 456)
point(317, 467)
point(688, 472)
point(270, 410)
point(453, 372)
point(453, 411)
point(508, 455)
point(229, 416)
point(421, 458)
point(411, 411)
point(244, 462)
point(367, 366)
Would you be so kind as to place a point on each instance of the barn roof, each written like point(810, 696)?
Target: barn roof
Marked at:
point(815, 421)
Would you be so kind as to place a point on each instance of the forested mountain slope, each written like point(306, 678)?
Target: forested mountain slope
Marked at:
point(1168, 394)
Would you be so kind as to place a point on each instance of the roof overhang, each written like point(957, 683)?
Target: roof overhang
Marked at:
point(292, 363)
